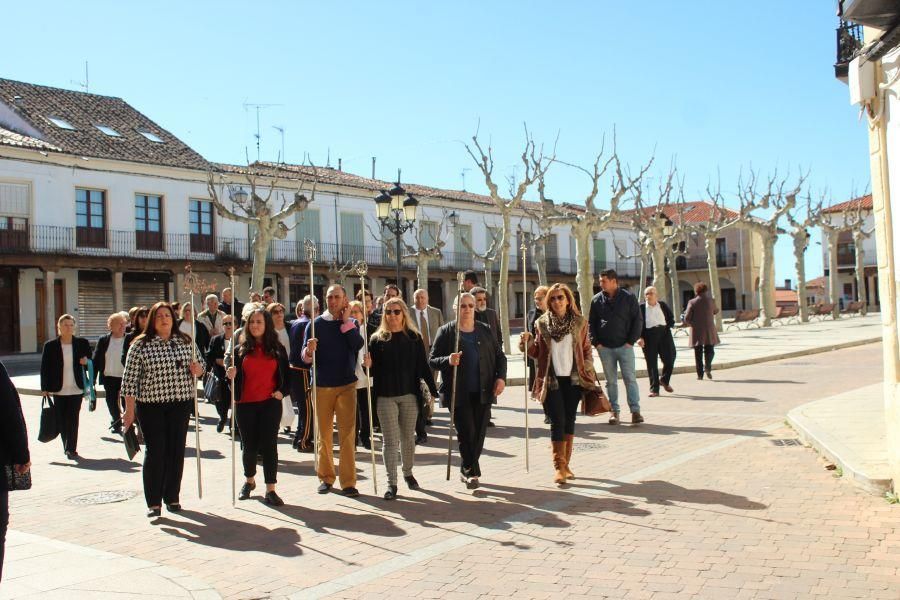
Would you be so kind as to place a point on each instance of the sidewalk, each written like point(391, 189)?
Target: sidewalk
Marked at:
point(738, 348)
point(849, 429)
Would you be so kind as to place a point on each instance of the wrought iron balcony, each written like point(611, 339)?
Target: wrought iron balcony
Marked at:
point(849, 42)
point(699, 263)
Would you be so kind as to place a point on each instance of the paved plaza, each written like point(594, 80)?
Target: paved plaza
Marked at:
point(711, 498)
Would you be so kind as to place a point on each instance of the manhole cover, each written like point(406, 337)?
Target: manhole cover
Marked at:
point(101, 498)
point(588, 445)
point(786, 442)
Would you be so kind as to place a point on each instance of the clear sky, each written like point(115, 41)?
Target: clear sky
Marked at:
point(720, 86)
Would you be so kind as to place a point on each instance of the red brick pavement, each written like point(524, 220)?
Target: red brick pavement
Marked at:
point(697, 502)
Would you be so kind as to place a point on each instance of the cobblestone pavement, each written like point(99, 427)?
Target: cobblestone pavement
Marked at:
point(697, 502)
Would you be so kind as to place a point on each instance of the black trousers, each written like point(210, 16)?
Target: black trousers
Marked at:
point(561, 405)
point(165, 426)
point(112, 385)
point(471, 418)
point(223, 402)
point(67, 413)
point(362, 416)
point(259, 422)
point(4, 524)
point(301, 396)
point(703, 357)
point(658, 344)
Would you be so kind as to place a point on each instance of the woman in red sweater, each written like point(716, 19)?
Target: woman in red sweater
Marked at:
point(260, 375)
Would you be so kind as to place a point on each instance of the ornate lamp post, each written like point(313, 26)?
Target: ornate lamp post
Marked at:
point(396, 211)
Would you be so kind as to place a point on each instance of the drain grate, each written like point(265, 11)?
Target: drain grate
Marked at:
point(107, 497)
point(588, 445)
point(787, 442)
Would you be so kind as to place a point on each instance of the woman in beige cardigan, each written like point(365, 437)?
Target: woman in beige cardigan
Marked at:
point(562, 352)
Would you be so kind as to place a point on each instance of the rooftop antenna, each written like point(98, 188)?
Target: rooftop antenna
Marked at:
point(328, 158)
point(258, 135)
point(85, 85)
point(280, 129)
point(463, 175)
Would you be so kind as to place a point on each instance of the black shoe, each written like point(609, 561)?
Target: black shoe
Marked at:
point(546, 420)
point(116, 428)
point(472, 483)
point(294, 443)
point(272, 499)
point(72, 455)
point(421, 439)
point(708, 375)
point(491, 424)
point(174, 507)
point(636, 418)
point(220, 426)
point(411, 482)
point(428, 422)
point(324, 488)
point(152, 513)
point(350, 492)
point(614, 417)
point(245, 490)
point(391, 492)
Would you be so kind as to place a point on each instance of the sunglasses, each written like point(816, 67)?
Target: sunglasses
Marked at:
point(228, 323)
point(278, 312)
point(555, 298)
point(395, 311)
point(467, 306)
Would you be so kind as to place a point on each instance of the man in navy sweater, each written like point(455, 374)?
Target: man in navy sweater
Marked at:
point(335, 381)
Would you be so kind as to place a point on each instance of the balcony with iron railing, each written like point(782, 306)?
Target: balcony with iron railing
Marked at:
point(699, 263)
point(849, 42)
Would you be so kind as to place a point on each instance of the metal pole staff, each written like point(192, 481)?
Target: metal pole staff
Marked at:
point(361, 269)
point(525, 356)
point(233, 339)
point(459, 281)
point(310, 258)
point(190, 282)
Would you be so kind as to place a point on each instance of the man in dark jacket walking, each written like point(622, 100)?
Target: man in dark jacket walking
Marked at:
point(615, 325)
point(656, 340)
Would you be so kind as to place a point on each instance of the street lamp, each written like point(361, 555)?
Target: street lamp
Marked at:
point(396, 211)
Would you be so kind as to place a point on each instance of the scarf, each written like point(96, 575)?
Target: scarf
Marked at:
point(560, 327)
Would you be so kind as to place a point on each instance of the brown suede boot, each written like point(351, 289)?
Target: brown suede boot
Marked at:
point(559, 462)
point(570, 440)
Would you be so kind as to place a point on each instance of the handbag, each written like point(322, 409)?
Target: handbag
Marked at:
point(17, 481)
point(49, 428)
point(427, 398)
point(593, 401)
point(287, 412)
point(87, 378)
point(212, 389)
point(132, 447)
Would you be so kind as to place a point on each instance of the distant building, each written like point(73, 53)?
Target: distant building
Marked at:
point(817, 291)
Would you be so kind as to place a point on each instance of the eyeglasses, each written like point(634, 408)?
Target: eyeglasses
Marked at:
point(228, 324)
point(467, 306)
point(278, 312)
point(395, 311)
point(555, 298)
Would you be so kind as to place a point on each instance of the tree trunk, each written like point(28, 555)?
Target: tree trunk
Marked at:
point(659, 269)
point(833, 282)
point(645, 268)
point(260, 256)
point(673, 283)
point(766, 280)
point(800, 268)
point(712, 268)
point(582, 234)
point(540, 261)
point(503, 292)
point(860, 268)
point(422, 271)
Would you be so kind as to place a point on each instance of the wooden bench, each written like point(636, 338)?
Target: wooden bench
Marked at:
point(787, 314)
point(853, 308)
point(822, 311)
point(747, 317)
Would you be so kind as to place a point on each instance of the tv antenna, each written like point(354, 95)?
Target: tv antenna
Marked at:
point(280, 129)
point(463, 175)
point(258, 134)
point(85, 85)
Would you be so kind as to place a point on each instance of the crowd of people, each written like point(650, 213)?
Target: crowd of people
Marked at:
point(362, 353)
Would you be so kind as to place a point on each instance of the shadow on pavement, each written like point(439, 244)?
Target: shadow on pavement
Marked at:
point(677, 429)
point(665, 493)
point(328, 521)
point(230, 534)
point(717, 398)
point(102, 464)
point(760, 381)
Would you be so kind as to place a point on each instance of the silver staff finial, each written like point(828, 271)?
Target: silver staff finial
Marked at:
point(362, 268)
point(460, 277)
point(310, 247)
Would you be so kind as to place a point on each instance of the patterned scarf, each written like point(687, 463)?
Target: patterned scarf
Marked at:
point(560, 327)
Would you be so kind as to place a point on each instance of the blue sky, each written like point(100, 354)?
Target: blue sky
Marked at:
point(719, 86)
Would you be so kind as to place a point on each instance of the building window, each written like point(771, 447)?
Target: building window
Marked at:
point(201, 225)
point(90, 218)
point(13, 233)
point(148, 222)
point(150, 135)
point(729, 299)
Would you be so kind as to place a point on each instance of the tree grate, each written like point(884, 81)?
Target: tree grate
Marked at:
point(107, 497)
point(786, 442)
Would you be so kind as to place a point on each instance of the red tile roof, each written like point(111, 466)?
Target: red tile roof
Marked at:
point(785, 296)
point(818, 282)
point(693, 212)
point(864, 202)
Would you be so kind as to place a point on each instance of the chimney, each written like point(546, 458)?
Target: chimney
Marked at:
point(339, 165)
point(787, 284)
point(373, 167)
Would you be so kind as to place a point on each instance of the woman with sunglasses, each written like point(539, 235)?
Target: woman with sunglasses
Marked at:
point(480, 377)
point(261, 378)
point(397, 355)
point(215, 366)
point(565, 366)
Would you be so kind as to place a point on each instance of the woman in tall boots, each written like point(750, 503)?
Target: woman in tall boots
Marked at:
point(562, 351)
point(62, 376)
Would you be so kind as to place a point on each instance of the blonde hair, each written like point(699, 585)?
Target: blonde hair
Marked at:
point(382, 333)
point(116, 316)
point(65, 317)
point(570, 298)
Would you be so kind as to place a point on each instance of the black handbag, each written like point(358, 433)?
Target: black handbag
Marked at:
point(131, 443)
point(49, 427)
point(17, 481)
point(212, 389)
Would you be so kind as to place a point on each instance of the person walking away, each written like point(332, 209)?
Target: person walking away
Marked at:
point(656, 341)
point(336, 346)
point(13, 448)
point(63, 377)
point(261, 379)
point(480, 377)
point(564, 358)
point(108, 367)
point(615, 326)
point(700, 317)
point(397, 355)
point(159, 384)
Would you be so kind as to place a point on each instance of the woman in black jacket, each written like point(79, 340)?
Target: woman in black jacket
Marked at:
point(397, 355)
point(108, 369)
point(13, 447)
point(61, 375)
point(138, 324)
point(215, 367)
point(261, 378)
point(481, 378)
